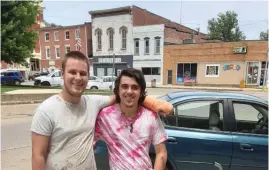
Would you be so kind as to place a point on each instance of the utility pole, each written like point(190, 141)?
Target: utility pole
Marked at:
point(180, 11)
point(113, 71)
point(265, 74)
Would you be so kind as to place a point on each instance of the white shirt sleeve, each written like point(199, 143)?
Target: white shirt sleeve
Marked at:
point(42, 123)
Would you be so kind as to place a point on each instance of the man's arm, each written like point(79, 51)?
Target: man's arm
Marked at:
point(40, 146)
point(161, 156)
point(42, 128)
point(157, 105)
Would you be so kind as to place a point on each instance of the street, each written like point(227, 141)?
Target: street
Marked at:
point(15, 129)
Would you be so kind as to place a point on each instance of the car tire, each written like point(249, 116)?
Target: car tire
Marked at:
point(16, 82)
point(94, 88)
point(45, 83)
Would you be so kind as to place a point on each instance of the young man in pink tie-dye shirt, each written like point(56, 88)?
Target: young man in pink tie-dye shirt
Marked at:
point(129, 129)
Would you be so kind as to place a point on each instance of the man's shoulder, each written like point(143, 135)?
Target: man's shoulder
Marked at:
point(148, 112)
point(107, 110)
point(50, 104)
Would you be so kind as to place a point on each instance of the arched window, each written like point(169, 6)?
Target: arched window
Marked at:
point(123, 32)
point(110, 33)
point(98, 33)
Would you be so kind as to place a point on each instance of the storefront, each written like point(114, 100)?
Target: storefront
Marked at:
point(216, 64)
point(103, 65)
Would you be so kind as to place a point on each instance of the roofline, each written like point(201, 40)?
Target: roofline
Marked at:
point(64, 27)
point(93, 12)
point(217, 42)
point(169, 20)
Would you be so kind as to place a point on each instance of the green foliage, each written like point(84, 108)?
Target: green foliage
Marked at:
point(225, 28)
point(18, 40)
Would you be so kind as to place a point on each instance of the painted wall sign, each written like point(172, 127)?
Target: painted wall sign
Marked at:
point(109, 60)
point(231, 67)
point(240, 50)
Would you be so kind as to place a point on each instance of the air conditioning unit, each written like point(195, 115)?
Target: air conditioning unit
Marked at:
point(240, 50)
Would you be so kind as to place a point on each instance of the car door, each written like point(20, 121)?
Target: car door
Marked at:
point(56, 79)
point(250, 140)
point(3, 78)
point(192, 144)
point(10, 78)
point(103, 83)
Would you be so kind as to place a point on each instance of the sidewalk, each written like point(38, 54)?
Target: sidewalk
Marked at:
point(47, 91)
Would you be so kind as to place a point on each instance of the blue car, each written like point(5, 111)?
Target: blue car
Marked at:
point(211, 131)
point(11, 77)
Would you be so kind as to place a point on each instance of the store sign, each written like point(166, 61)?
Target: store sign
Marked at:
point(109, 60)
point(240, 50)
point(52, 63)
point(231, 67)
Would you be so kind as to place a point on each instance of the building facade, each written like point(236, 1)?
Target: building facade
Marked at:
point(216, 64)
point(112, 38)
point(55, 42)
point(135, 37)
point(148, 51)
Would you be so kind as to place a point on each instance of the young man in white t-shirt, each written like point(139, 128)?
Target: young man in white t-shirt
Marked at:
point(63, 125)
point(129, 129)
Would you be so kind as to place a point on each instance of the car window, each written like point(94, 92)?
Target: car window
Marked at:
point(251, 118)
point(58, 74)
point(9, 74)
point(107, 79)
point(92, 78)
point(3, 74)
point(201, 115)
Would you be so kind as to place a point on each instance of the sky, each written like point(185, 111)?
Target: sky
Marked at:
point(252, 15)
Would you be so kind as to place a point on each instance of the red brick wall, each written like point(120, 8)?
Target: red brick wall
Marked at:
point(143, 17)
point(62, 42)
point(211, 52)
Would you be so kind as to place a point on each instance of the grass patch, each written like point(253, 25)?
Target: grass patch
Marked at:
point(5, 88)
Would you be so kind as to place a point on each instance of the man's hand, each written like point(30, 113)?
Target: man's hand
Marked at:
point(161, 156)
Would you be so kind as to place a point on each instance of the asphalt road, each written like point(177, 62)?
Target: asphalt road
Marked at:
point(15, 133)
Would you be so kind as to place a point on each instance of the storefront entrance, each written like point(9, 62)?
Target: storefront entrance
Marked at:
point(186, 72)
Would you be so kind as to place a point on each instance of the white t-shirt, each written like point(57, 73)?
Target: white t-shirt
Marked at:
point(71, 128)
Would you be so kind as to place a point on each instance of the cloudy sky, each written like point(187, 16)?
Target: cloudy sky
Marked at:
point(252, 15)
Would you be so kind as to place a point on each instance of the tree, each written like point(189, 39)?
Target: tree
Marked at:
point(264, 35)
point(18, 39)
point(225, 28)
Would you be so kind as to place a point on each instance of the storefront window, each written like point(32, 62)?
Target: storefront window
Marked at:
point(252, 72)
point(186, 72)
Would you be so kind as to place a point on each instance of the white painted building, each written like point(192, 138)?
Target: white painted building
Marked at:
point(111, 35)
point(148, 44)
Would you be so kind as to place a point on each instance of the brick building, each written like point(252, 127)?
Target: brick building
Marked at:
point(216, 64)
point(139, 25)
point(55, 42)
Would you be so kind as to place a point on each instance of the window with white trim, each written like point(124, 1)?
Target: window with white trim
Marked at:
point(67, 48)
point(77, 33)
point(157, 45)
point(98, 32)
point(136, 46)
point(47, 49)
point(57, 52)
point(212, 70)
point(146, 45)
point(56, 36)
point(124, 38)
point(47, 36)
point(67, 36)
point(110, 38)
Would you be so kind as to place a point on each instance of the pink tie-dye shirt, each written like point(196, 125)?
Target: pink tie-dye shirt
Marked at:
point(129, 139)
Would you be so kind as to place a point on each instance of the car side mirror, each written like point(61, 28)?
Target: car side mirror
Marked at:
point(53, 75)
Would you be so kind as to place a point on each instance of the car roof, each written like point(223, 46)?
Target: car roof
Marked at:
point(179, 96)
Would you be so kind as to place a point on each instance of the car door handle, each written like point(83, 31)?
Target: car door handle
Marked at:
point(171, 140)
point(246, 147)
